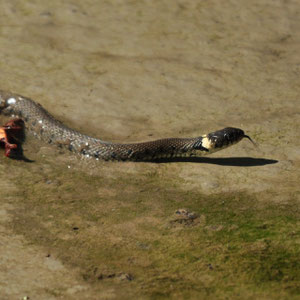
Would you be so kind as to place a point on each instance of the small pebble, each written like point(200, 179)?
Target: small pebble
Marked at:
point(11, 101)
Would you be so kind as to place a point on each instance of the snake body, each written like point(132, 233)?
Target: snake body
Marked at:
point(44, 126)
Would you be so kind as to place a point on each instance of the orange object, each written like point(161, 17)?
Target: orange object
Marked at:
point(12, 135)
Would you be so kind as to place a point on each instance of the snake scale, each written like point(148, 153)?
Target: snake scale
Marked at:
point(44, 126)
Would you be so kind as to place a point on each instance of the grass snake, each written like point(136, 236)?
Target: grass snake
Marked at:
point(44, 126)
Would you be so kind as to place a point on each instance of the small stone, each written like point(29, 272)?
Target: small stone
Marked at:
point(125, 276)
point(185, 217)
point(11, 101)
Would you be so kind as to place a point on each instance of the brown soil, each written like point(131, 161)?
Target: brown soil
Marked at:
point(140, 70)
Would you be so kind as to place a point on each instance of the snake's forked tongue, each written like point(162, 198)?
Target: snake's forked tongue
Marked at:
point(249, 138)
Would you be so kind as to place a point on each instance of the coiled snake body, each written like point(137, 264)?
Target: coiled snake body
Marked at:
point(47, 128)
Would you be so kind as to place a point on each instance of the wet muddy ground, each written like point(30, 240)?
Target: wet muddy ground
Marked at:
point(224, 226)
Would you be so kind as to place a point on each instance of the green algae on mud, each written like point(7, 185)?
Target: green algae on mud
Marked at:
point(120, 232)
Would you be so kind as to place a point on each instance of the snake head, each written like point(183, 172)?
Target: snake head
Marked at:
point(223, 138)
point(226, 137)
